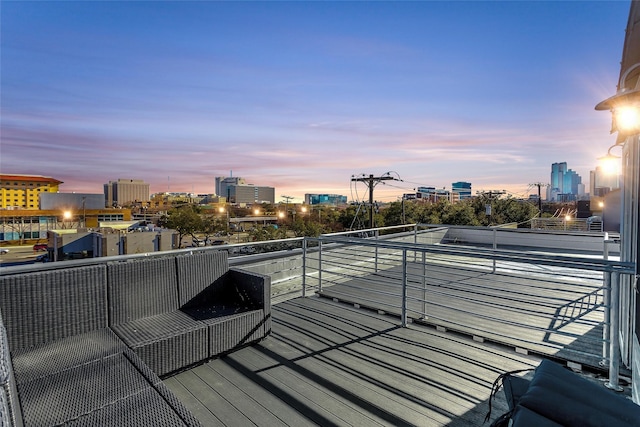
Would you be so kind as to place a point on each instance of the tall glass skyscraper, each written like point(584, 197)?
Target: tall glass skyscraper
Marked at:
point(462, 188)
point(565, 183)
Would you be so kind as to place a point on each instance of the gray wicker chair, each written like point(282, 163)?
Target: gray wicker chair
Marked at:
point(234, 304)
point(144, 312)
point(56, 320)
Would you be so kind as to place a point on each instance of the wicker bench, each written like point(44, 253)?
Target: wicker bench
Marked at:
point(88, 344)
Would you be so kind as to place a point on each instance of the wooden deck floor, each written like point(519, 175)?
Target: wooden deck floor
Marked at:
point(555, 316)
point(330, 364)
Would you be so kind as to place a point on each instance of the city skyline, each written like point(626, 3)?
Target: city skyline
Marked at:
point(302, 96)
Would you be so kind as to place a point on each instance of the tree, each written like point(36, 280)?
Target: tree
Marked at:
point(185, 220)
point(269, 232)
point(210, 225)
point(459, 214)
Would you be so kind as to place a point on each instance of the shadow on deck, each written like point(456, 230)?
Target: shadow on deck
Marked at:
point(549, 316)
point(330, 364)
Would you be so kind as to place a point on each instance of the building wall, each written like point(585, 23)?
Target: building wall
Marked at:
point(325, 199)
point(462, 188)
point(223, 183)
point(74, 201)
point(23, 191)
point(248, 194)
point(126, 191)
point(26, 224)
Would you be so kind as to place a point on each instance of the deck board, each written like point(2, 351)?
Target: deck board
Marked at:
point(548, 316)
point(330, 364)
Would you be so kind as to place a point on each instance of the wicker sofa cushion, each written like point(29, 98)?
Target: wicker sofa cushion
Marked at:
point(46, 306)
point(141, 288)
point(65, 353)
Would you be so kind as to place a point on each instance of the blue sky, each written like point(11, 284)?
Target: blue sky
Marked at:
point(302, 96)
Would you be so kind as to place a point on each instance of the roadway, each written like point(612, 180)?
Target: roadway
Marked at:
point(19, 255)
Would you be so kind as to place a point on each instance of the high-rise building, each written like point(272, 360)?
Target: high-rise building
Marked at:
point(325, 199)
point(566, 184)
point(601, 182)
point(433, 194)
point(23, 191)
point(125, 191)
point(463, 189)
point(249, 194)
point(223, 184)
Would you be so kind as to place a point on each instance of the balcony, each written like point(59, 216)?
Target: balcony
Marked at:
point(411, 325)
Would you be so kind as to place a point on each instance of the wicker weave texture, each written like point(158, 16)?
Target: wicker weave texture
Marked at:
point(47, 306)
point(10, 413)
point(255, 287)
point(198, 276)
point(144, 409)
point(166, 342)
point(70, 394)
point(66, 353)
point(231, 332)
point(141, 288)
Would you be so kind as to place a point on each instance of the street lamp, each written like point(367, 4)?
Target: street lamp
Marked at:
point(66, 216)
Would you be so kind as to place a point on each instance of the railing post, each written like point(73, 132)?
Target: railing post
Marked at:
point(495, 246)
point(404, 288)
point(320, 266)
point(304, 267)
point(606, 331)
point(605, 250)
point(376, 233)
point(424, 285)
point(614, 345)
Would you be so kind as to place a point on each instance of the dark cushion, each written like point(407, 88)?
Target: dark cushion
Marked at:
point(514, 388)
point(72, 393)
point(523, 417)
point(570, 400)
point(46, 306)
point(141, 288)
point(200, 275)
point(66, 353)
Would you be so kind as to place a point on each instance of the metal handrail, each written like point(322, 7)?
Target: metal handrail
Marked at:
point(402, 252)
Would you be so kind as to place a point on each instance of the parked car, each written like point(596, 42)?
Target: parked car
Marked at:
point(40, 247)
point(4, 251)
point(42, 258)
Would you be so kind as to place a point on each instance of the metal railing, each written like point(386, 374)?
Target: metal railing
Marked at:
point(553, 304)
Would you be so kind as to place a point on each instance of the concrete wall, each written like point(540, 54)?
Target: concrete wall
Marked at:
point(508, 239)
point(139, 243)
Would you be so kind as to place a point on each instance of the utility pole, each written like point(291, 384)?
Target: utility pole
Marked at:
point(491, 194)
point(286, 206)
point(371, 181)
point(539, 185)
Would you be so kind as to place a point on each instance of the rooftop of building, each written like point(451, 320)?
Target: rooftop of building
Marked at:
point(345, 350)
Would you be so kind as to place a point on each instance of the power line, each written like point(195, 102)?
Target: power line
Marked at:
point(539, 185)
point(371, 181)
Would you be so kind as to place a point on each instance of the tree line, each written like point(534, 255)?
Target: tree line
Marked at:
point(204, 224)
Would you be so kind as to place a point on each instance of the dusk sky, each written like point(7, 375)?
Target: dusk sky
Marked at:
point(301, 96)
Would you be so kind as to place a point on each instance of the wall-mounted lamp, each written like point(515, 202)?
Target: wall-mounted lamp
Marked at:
point(625, 109)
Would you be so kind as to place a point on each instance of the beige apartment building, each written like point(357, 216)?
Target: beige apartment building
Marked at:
point(125, 192)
